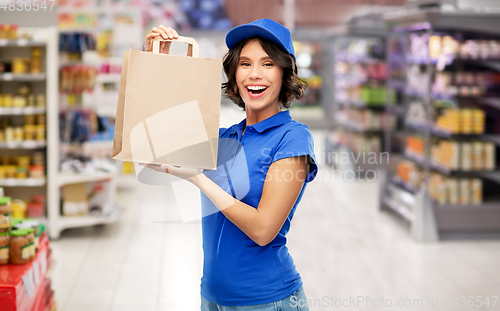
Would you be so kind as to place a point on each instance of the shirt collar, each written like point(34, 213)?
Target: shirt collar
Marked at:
point(276, 120)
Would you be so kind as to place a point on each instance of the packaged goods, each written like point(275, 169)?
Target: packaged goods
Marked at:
point(476, 191)
point(30, 234)
point(453, 191)
point(19, 208)
point(465, 191)
point(20, 249)
point(5, 213)
point(489, 156)
point(4, 248)
point(467, 158)
point(477, 155)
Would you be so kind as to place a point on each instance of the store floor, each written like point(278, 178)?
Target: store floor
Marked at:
point(345, 249)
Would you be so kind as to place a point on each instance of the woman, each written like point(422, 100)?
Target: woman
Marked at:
point(265, 162)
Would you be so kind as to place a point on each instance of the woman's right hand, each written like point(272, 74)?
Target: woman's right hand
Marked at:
point(166, 33)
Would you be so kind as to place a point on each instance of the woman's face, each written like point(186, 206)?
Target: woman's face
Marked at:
point(259, 78)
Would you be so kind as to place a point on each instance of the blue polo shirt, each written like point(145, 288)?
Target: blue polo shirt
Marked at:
point(236, 270)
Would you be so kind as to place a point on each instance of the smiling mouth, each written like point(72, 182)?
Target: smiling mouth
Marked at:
point(256, 89)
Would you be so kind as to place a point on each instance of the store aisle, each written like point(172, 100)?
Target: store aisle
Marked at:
point(343, 246)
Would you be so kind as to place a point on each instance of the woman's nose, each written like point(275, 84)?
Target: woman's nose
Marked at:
point(255, 72)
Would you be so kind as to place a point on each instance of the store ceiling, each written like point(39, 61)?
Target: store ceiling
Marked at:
point(308, 13)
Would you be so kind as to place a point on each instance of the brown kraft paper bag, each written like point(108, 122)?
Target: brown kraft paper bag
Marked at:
point(168, 108)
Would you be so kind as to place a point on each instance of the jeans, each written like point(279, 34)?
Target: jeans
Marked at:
point(297, 301)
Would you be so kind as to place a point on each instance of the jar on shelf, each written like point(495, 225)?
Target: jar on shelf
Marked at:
point(22, 172)
point(40, 132)
point(29, 132)
point(33, 224)
point(12, 32)
point(19, 101)
point(19, 65)
point(19, 208)
point(31, 100)
point(2, 172)
point(37, 171)
point(9, 133)
point(7, 100)
point(4, 248)
point(20, 249)
point(18, 133)
point(27, 225)
point(10, 171)
point(40, 119)
point(5, 214)
point(40, 100)
point(3, 32)
point(36, 66)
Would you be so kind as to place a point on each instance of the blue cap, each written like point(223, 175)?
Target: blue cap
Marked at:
point(263, 28)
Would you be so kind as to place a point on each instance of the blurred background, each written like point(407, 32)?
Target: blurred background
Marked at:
point(403, 103)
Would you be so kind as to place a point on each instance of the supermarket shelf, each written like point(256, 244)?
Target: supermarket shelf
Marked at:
point(108, 78)
point(360, 104)
point(27, 144)
point(447, 171)
point(398, 208)
point(75, 178)
point(22, 77)
point(447, 134)
point(28, 182)
point(400, 183)
point(21, 111)
point(352, 58)
point(419, 159)
point(421, 127)
point(67, 222)
point(21, 43)
point(490, 101)
point(358, 128)
point(470, 218)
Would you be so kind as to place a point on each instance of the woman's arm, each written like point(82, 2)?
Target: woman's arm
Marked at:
point(284, 181)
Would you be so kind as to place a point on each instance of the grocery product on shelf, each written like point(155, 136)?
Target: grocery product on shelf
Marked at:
point(5, 213)
point(464, 156)
point(409, 174)
point(9, 31)
point(20, 249)
point(440, 45)
point(461, 121)
point(21, 167)
point(4, 247)
point(456, 191)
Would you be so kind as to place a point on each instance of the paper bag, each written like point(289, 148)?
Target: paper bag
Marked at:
point(168, 108)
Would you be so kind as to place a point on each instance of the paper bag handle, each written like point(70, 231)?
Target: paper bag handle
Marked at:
point(193, 48)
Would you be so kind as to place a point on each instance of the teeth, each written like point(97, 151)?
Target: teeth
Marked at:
point(256, 88)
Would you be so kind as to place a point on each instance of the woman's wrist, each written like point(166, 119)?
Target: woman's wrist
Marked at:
point(198, 179)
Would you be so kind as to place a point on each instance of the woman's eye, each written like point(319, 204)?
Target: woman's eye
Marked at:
point(268, 64)
point(245, 64)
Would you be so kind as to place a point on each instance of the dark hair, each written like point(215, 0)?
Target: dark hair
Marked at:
point(292, 86)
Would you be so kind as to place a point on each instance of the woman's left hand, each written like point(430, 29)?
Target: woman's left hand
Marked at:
point(187, 173)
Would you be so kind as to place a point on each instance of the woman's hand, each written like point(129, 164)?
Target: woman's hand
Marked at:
point(165, 33)
point(187, 173)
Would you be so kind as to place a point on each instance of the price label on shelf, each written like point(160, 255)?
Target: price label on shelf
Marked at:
point(36, 272)
point(22, 42)
point(43, 262)
point(8, 76)
point(29, 284)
